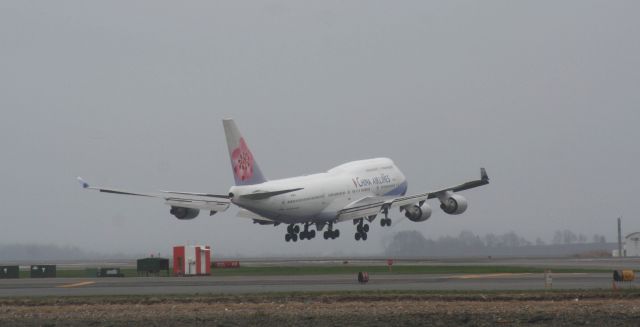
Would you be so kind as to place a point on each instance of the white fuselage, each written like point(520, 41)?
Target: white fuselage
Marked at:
point(322, 195)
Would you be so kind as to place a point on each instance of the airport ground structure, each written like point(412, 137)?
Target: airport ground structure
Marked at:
point(570, 285)
point(464, 292)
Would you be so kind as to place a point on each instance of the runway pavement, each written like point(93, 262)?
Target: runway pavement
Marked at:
point(259, 284)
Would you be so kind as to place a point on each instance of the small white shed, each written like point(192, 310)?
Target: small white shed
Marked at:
point(632, 245)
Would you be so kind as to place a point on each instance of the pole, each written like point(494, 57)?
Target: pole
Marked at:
point(620, 254)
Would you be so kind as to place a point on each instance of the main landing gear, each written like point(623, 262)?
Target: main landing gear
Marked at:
point(386, 221)
point(306, 234)
point(362, 230)
point(292, 233)
point(330, 233)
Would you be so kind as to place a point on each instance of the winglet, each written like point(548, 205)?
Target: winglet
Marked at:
point(483, 175)
point(83, 183)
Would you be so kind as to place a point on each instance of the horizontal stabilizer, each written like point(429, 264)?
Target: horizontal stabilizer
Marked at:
point(224, 196)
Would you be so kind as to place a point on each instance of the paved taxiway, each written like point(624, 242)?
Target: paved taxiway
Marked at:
point(258, 284)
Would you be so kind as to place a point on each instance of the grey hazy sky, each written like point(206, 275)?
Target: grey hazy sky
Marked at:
point(544, 94)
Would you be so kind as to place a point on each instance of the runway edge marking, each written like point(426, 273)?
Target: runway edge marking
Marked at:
point(478, 276)
point(76, 284)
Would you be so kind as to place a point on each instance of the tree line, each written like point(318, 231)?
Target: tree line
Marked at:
point(414, 243)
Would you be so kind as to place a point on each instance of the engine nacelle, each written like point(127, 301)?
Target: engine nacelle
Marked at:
point(453, 204)
point(183, 213)
point(418, 213)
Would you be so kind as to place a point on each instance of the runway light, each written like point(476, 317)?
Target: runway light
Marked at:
point(548, 280)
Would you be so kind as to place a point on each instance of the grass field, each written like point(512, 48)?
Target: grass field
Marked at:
point(341, 269)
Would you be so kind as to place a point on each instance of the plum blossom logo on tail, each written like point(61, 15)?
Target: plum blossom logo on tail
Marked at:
point(242, 161)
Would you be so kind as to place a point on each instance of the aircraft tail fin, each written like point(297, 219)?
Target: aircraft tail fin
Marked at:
point(245, 168)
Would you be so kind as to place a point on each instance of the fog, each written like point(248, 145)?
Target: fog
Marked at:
point(131, 94)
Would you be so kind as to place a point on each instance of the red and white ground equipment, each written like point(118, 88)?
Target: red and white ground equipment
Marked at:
point(191, 260)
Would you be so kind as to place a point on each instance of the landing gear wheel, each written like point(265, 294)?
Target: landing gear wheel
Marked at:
point(326, 235)
point(303, 235)
point(290, 229)
point(365, 228)
point(364, 236)
point(287, 237)
point(358, 236)
point(294, 237)
point(383, 222)
point(312, 234)
point(336, 233)
point(359, 228)
point(296, 229)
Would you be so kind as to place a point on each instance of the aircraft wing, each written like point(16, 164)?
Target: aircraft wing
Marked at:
point(370, 206)
point(201, 201)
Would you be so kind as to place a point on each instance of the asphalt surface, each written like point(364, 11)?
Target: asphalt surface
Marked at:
point(259, 284)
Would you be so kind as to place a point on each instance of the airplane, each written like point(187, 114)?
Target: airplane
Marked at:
point(357, 191)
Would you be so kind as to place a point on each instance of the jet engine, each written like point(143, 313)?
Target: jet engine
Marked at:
point(417, 213)
point(183, 213)
point(453, 204)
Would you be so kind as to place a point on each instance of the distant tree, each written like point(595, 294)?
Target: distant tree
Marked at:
point(407, 243)
point(413, 243)
point(469, 239)
point(540, 242)
point(557, 237)
point(582, 238)
point(599, 239)
point(568, 237)
point(510, 239)
point(491, 240)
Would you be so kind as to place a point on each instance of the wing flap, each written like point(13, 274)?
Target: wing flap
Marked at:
point(198, 204)
point(363, 207)
point(258, 219)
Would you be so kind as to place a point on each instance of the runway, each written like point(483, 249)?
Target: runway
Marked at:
point(260, 284)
